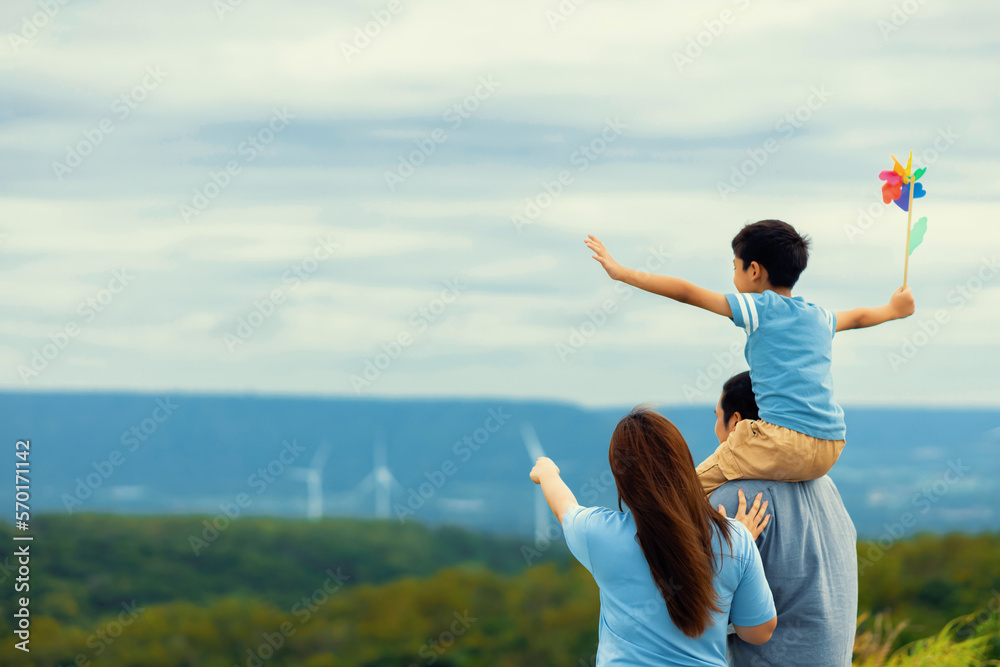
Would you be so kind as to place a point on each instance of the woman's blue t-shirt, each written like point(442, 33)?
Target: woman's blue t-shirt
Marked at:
point(635, 627)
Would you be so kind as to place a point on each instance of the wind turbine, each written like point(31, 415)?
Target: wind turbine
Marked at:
point(382, 480)
point(542, 511)
point(313, 477)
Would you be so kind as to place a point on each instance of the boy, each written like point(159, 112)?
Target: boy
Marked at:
point(801, 431)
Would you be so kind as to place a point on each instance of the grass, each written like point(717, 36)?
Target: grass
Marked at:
point(964, 642)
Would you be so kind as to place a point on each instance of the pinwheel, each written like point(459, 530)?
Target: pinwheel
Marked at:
point(901, 186)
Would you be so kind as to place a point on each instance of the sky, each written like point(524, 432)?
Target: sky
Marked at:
point(386, 199)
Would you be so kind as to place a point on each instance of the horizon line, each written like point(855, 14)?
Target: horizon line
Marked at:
point(422, 398)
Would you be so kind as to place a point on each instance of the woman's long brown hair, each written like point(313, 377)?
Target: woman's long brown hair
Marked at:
point(656, 478)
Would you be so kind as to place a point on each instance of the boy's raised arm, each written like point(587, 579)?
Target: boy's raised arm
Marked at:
point(668, 286)
point(900, 305)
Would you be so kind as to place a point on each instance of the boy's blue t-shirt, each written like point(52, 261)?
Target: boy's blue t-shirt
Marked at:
point(789, 349)
point(635, 626)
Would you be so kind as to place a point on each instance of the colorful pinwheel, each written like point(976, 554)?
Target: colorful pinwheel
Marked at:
point(901, 186)
point(898, 181)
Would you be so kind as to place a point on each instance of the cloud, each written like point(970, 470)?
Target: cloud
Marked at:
point(787, 110)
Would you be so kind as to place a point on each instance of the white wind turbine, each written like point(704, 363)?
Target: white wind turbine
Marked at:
point(542, 511)
point(381, 480)
point(313, 477)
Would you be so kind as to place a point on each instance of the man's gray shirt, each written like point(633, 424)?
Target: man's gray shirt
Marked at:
point(809, 550)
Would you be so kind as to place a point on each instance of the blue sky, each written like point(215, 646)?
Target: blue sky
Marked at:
point(294, 207)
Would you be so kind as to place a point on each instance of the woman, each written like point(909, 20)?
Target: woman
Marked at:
point(673, 573)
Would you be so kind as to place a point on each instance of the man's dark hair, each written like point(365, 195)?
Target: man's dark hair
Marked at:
point(737, 396)
point(777, 247)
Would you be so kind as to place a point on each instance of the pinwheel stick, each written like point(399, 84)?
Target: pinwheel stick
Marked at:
point(909, 217)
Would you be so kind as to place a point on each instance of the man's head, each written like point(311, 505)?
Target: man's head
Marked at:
point(768, 254)
point(736, 403)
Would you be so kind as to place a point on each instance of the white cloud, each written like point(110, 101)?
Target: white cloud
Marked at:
point(324, 177)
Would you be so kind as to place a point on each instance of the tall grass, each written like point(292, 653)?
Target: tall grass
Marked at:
point(967, 641)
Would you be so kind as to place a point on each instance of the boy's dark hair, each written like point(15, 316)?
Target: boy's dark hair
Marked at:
point(737, 396)
point(777, 247)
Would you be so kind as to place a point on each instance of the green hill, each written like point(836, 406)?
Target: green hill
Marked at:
point(123, 591)
point(92, 563)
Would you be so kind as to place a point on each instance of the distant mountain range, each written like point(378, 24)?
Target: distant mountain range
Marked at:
point(442, 461)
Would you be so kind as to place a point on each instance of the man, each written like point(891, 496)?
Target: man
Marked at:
point(809, 551)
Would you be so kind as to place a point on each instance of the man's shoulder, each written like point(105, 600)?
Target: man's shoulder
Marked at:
point(776, 490)
point(729, 492)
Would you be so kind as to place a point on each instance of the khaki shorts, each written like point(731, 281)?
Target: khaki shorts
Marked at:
point(761, 450)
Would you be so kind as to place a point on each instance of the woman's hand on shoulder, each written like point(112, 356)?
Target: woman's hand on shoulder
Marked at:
point(755, 520)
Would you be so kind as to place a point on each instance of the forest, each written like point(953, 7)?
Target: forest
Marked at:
point(157, 591)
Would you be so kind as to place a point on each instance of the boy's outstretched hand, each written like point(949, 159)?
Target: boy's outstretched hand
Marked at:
point(602, 255)
point(900, 305)
point(901, 302)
